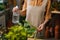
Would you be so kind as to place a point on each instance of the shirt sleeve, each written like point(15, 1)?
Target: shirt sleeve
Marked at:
point(24, 5)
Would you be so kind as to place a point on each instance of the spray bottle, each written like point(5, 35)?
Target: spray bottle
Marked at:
point(15, 17)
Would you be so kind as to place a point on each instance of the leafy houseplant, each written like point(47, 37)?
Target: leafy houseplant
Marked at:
point(2, 6)
point(19, 32)
point(55, 5)
point(58, 5)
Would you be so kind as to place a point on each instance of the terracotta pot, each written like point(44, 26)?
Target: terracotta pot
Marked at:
point(47, 35)
point(57, 32)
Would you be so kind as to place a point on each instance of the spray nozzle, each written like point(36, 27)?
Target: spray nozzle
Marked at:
point(16, 6)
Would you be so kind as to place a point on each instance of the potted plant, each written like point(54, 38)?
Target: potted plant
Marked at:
point(55, 6)
point(19, 32)
point(2, 7)
point(58, 6)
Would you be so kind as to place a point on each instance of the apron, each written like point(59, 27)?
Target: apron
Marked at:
point(35, 15)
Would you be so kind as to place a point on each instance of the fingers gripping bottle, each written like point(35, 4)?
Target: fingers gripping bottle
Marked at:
point(15, 17)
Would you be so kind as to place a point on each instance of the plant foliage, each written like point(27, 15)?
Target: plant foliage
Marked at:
point(19, 32)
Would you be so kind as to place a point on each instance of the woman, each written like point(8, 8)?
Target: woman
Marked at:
point(35, 10)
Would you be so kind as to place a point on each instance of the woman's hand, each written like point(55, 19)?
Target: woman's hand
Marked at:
point(22, 13)
point(40, 28)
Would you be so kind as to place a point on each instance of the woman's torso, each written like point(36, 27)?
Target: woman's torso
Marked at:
point(35, 13)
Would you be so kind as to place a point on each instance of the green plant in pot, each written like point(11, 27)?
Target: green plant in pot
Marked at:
point(19, 32)
point(55, 5)
point(58, 5)
point(2, 6)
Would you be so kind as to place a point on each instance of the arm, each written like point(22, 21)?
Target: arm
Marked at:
point(23, 11)
point(48, 14)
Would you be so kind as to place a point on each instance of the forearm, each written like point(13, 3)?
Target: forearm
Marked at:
point(22, 12)
point(45, 22)
point(24, 8)
point(47, 12)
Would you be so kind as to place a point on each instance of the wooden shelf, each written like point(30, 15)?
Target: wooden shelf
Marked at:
point(55, 12)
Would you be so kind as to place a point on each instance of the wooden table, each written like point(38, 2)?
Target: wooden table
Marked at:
point(40, 39)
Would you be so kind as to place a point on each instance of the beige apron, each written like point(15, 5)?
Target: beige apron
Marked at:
point(35, 14)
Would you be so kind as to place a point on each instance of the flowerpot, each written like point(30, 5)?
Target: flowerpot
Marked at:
point(47, 33)
point(57, 32)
